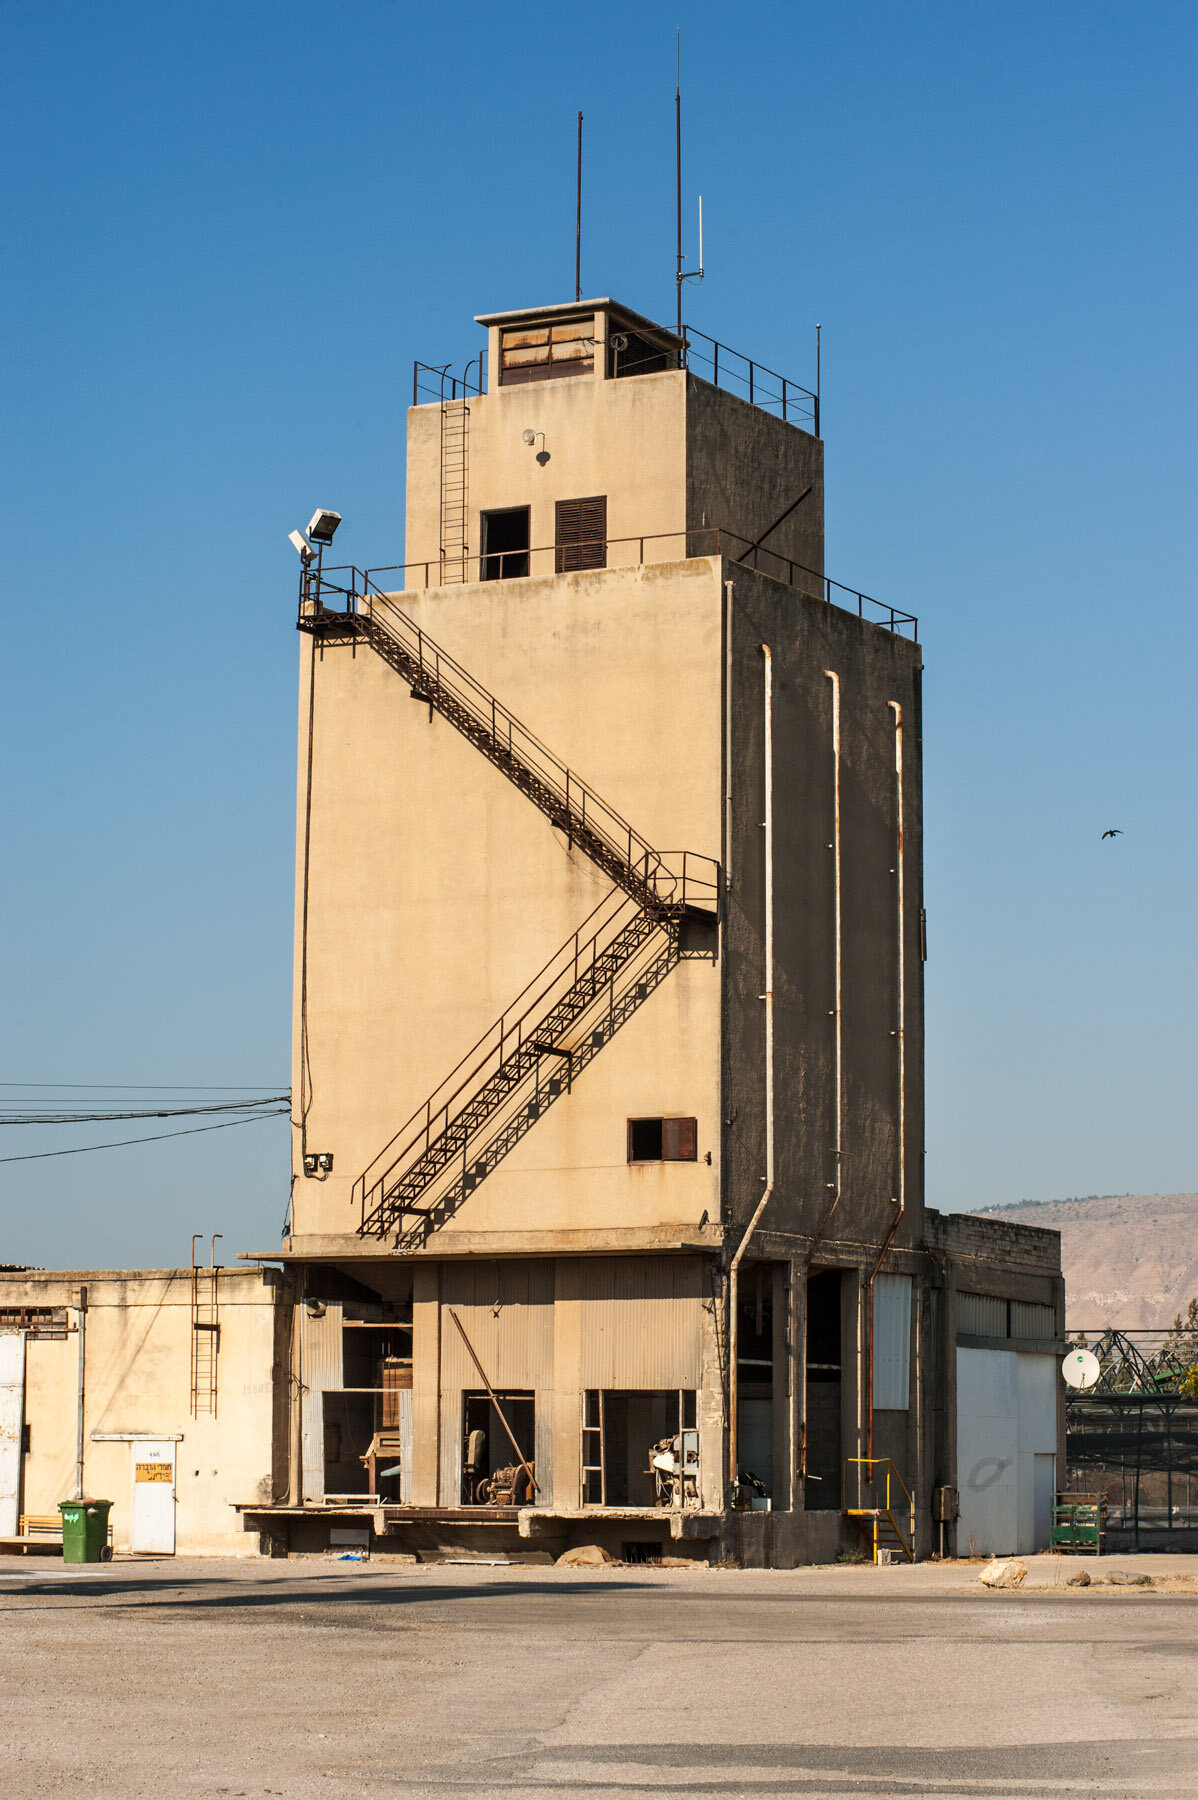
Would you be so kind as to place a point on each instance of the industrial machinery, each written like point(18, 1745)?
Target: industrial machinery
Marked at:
point(505, 1487)
point(673, 1461)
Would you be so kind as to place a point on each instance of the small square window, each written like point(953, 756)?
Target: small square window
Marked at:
point(662, 1140)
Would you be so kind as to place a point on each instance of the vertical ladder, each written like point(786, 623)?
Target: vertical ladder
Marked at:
point(205, 1341)
point(455, 442)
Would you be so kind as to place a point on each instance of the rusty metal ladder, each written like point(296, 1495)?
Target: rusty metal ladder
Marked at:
point(455, 460)
point(205, 1340)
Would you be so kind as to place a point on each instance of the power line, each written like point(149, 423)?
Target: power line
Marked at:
point(138, 1087)
point(148, 1112)
point(190, 1131)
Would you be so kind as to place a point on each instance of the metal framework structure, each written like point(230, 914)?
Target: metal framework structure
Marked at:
point(1134, 1422)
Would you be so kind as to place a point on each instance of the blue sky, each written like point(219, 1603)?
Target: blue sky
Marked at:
point(227, 231)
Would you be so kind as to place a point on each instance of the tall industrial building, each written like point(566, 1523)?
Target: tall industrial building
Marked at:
point(607, 1219)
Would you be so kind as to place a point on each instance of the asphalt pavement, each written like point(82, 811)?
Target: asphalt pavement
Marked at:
point(309, 1677)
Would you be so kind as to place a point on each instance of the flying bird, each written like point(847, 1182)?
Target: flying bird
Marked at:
point(1113, 832)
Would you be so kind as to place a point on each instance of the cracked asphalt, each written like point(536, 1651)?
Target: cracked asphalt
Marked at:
point(190, 1678)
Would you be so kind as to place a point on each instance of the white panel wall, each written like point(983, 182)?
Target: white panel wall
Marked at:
point(12, 1428)
point(892, 1341)
point(1006, 1415)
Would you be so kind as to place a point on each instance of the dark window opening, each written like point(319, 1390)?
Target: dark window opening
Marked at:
point(581, 534)
point(663, 1140)
point(632, 1443)
point(823, 1460)
point(628, 353)
point(350, 1422)
point(755, 1379)
point(505, 543)
point(492, 1472)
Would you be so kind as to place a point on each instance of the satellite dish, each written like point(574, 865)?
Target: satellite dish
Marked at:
point(1081, 1369)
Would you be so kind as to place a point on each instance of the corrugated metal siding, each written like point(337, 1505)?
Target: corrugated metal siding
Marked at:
point(320, 1368)
point(981, 1315)
point(892, 1342)
point(404, 1402)
point(641, 1322)
point(506, 1310)
point(1029, 1319)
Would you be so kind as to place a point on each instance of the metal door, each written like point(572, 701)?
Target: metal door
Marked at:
point(1045, 1479)
point(12, 1428)
point(153, 1496)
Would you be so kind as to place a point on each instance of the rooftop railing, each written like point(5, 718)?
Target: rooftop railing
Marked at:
point(704, 356)
point(726, 368)
point(350, 584)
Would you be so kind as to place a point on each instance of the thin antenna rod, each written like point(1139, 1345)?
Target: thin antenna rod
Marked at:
point(578, 221)
point(678, 169)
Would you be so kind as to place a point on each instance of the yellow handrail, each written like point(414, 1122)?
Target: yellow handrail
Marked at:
point(869, 1464)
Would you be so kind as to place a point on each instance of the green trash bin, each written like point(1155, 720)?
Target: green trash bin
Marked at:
point(85, 1530)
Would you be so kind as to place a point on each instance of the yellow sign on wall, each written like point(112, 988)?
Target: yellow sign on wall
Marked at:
point(154, 1471)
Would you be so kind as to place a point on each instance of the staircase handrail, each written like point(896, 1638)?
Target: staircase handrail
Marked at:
point(696, 883)
point(578, 799)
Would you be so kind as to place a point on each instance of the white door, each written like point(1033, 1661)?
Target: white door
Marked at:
point(154, 1496)
point(1045, 1478)
point(12, 1428)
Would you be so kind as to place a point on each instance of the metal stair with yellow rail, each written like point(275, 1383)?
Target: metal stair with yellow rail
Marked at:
point(889, 1517)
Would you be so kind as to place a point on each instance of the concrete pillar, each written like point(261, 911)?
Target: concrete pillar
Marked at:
point(567, 1385)
point(426, 1384)
point(782, 1351)
point(853, 1374)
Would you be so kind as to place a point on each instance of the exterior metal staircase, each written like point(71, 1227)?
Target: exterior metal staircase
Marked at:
point(435, 677)
point(664, 907)
point(884, 1505)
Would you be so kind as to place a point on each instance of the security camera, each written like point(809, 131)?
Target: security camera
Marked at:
point(322, 525)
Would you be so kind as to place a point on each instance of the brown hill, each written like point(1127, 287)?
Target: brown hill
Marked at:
point(1129, 1260)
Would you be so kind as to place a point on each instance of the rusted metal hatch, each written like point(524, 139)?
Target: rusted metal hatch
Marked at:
point(546, 352)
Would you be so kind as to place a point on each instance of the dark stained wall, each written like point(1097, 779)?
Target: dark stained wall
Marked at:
point(875, 668)
point(744, 467)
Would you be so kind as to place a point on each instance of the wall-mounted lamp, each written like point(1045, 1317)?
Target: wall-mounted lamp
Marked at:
point(530, 437)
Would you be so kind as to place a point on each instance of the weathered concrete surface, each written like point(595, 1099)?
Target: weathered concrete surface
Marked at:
point(317, 1678)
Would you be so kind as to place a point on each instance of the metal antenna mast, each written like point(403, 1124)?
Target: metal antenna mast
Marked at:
point(678, 168)
point(578, 221)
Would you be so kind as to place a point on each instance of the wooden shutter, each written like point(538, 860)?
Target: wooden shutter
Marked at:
point(679, 1140)
point(581, 534)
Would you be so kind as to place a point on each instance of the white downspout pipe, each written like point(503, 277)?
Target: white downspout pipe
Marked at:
point(727, 737)
point(838, 1017)
point(768, 997)
point(900, 1199)
point(80, 1392)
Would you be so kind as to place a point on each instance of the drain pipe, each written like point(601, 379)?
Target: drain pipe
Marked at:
point(727, 737)
point(901, 997)
point(838, 1146)
point(768, 997)
point(80, 1391)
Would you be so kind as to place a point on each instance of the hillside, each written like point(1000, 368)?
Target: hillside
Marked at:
point(1129, 1260)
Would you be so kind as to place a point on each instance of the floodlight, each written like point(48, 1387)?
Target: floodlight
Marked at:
point(322, 525)
point(302, 545)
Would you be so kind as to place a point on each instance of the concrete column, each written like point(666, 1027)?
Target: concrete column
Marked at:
point(783, 1389)
point(711, 1403)
point(567, 1385)
point(948, 1353)
point(853, 1373)
point(426, 1384)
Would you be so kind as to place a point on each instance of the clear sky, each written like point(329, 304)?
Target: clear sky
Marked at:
point(227, 231)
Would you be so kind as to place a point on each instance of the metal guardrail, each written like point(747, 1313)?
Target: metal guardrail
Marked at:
point(710, 541)
point(760, 386)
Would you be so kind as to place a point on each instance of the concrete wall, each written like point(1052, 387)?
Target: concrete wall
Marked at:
point(875, 668)
point(436, 890)
point(138, 1382)
point(744, 467)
